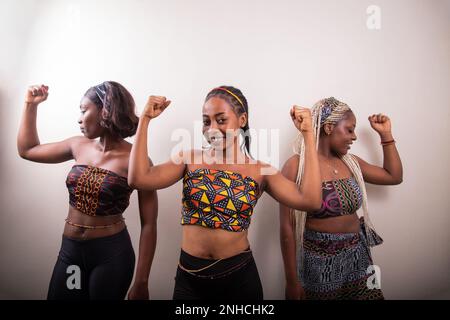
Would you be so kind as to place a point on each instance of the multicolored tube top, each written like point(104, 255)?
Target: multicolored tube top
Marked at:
point(339, 198)
point(218, 199)
point(96, 191)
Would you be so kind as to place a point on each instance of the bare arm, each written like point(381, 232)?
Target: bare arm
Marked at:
point(141, 174)
point(309, 196)
point(392, 171)
point(293, 289)
point(28, 144)
point(148, 208)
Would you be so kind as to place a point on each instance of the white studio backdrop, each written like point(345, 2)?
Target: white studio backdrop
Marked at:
point(279, 53)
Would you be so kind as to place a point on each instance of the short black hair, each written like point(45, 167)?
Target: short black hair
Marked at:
point(118, 110)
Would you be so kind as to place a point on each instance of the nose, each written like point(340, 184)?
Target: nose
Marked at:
point(79, 120)
point(213, 125)
point(354, 137)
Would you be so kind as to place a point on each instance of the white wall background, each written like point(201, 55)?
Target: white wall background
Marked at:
point(279, 53)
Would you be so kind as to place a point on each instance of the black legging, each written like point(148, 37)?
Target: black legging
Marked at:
point(234, 278)
point(106, 268)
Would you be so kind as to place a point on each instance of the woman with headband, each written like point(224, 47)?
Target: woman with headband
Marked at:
point(96, 260)
point(221, 186)
point(326, 252)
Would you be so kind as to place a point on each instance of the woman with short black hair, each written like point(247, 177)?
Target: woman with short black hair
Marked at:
point(96, 260)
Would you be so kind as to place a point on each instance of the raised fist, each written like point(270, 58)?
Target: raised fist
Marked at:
point(36, 94)
point(155, 106)
point(302, 118)
point(380, 123)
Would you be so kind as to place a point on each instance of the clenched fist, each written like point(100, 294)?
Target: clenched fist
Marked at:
point(302, 118)
point(380, 123)
point(36, 94)
point(155, 106)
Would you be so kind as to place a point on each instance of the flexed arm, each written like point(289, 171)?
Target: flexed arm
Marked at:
point(28, 144)
point(392, 171)
point(307, 197)
point(142, 175)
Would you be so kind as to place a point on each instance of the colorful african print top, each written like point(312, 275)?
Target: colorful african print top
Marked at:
point(96, 191)
point(218, 199)
point(339, 197)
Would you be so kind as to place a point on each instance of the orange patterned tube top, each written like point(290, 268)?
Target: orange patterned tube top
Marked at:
point(218, 199)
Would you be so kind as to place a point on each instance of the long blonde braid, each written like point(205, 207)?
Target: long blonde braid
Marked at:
point(331, 111)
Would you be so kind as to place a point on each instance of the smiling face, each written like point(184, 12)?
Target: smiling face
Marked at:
point(89, 120)
point(221, 124)
point(342, 134)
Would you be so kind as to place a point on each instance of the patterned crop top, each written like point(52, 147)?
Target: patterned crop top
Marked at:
point(96, 191)
point(339, 198)
point(218, 199)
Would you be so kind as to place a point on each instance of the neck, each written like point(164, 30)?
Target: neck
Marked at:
point(231, 155)
point(108, 143)
point(325, 151)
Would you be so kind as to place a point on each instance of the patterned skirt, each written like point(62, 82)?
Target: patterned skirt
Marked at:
point(336, 267)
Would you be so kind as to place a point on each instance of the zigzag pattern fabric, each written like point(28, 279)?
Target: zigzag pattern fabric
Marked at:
point(218, 199)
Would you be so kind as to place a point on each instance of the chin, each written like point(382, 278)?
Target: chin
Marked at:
point(89, 136)
point(341, 153)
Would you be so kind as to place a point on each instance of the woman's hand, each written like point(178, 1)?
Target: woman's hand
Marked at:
point(36, 94)
point(139, 291)
point(380, 123)
point(155, 106)
point(302, 118)
point(295, 291)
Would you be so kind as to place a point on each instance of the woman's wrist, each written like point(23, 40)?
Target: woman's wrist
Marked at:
point(386, 136)
point(308, 137)
point(292, 281)
point(141, 281)
point(30, 104)
point(144, 119)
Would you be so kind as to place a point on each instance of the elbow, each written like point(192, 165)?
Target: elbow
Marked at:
point(134, 185)
point(133, 182)
point(395, 179)
point(313, 203)
point(314, 206)
point(23, 154)
point(138, 183)
point(309, 207)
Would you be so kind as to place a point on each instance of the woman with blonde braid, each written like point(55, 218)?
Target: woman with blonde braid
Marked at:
point(326, 253)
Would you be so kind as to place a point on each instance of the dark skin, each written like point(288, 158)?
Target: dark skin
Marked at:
point(220, 117)
point(108, 153)
point(335, 141)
